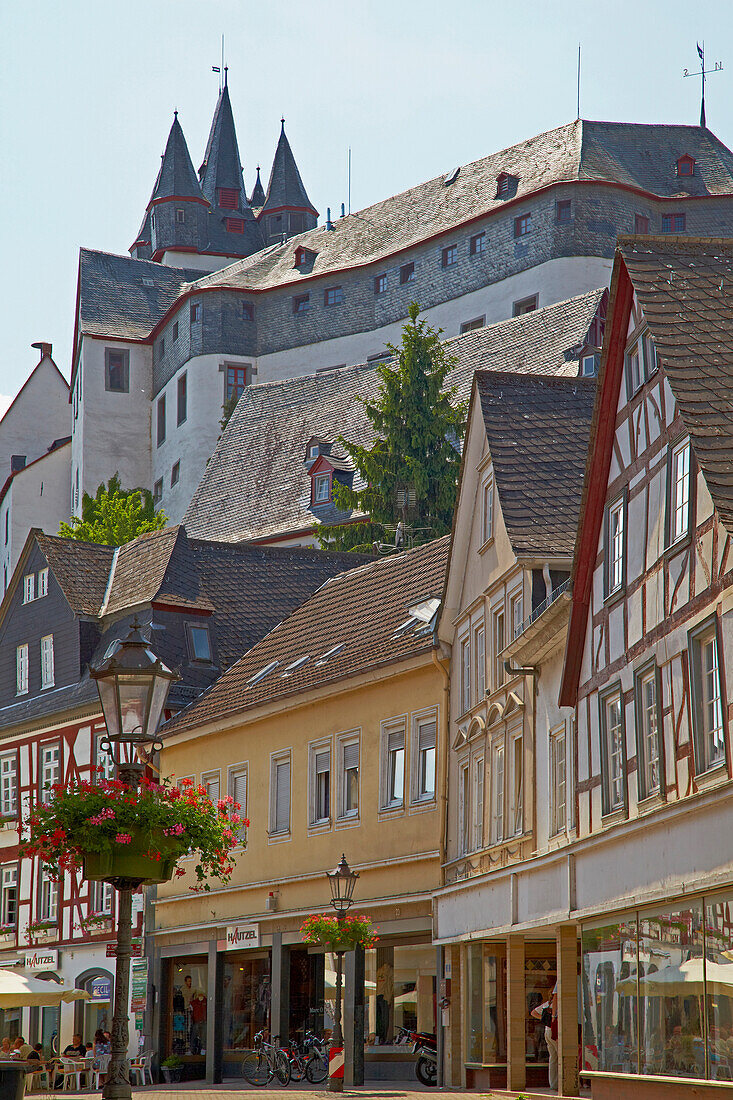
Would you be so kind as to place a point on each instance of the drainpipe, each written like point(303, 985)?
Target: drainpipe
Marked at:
point(443, 773)
point(548, 581)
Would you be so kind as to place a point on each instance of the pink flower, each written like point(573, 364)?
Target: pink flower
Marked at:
point(123, 838)
point(175, 830)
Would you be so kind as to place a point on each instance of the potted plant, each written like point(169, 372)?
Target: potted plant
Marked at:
point(338, 935)
point(172, 1067)
point(42, 930)
point(7, 933)
point(116, 831)
point(96, 922)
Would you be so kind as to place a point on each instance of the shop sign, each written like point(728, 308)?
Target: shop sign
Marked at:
point(139, 983)
point(100, 989)
point(42, 959)
point(137, 950)
point(242, 935)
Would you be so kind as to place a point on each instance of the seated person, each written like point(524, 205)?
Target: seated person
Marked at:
point(101, 1043)
point(35, 1055)
point(5, 1046)
point(76, 1049)
point(21, 1049)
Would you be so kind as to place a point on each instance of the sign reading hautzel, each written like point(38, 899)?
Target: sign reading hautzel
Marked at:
point(242, 935)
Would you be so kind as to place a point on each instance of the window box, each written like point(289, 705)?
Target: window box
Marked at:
point(43, 931)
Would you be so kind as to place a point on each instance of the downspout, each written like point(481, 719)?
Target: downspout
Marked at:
point(443, 772)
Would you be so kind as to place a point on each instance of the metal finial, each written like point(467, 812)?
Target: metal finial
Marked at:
point(282, 125)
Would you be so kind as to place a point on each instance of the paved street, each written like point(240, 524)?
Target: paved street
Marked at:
point(230, 1090)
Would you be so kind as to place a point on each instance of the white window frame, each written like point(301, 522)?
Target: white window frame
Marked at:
point(487, 511)
point(21, 669)
point(613, 734)
point(420, 750)
point(103, 758)
point(48, 897)
point(393, 730)
point(558, 780)
point(318, 749)
point(497, 791)
point(516, 605)
point(49, 768)
point(465, 652)
point(235, 773)
point(212, 782)
point(498, 639)
point(42, 584)
point(321, 481)
point(278, 759)
point(515, 740)
point(615, 545)
point(709, 722)
point(679, 491)
point(9, 784)
point(647, 720)
point(8, 882)
point(346, 741)
point(478, 793)
point(29, 588)
point(464, 810)
point(47, 662)
point(635, 367)
point(479, 649)
point(101, 898)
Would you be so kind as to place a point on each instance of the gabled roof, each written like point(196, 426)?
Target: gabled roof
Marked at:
point(360, 611)
point(80, 568)
point(221, 166)
point(256, 484)
point(537, 430)
point(286, 188)
point(684, 286)
point(642, 158)
point(177, 175)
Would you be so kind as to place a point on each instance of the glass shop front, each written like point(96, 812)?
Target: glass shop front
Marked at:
point(658, 990)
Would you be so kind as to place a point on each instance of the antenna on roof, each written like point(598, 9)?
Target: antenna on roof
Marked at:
point(718, 66)
point(578, 114)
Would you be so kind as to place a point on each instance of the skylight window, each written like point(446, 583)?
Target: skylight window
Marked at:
point(330, 653)
point(421, 618)
point(294, 666)
point(262, 673)
point(451, 177)
point(147, 282)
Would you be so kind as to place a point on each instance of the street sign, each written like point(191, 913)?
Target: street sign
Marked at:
point(139, 982)
point(137, 950)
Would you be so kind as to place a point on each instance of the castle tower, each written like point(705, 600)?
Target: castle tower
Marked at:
point(287, 210)
point(233, 230)
point(176, 216)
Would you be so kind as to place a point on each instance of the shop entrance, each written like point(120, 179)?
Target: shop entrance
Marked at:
point(246, 997)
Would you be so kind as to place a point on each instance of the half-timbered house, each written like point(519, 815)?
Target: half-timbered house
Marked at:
point(204, 604)
point(501, 915)
point(648, 668)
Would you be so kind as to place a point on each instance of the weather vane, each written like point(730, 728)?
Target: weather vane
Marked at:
point(703, 73)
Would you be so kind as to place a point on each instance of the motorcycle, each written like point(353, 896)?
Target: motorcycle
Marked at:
point(425, 1046)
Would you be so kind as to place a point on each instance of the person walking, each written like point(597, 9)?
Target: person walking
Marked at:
point(546, 1013)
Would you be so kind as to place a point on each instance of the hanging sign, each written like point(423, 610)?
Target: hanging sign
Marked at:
point(137, 950)
point(242, 935)
point(139, 985)
point(100, 989)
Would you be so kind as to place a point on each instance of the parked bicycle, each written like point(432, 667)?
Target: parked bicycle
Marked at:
point(265, 1061)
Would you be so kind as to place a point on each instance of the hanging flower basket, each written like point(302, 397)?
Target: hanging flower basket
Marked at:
point(113, 831)
point(334, 935)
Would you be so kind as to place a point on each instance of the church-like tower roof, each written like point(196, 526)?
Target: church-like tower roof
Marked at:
point(177, 175)
point(286, 189)
point(221, 166)
point(257, 198)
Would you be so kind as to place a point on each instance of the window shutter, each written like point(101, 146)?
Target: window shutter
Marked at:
point(323, 762)
point(351, 756)
point(212, 787)
point(282, 797)
point(396, 741)
point(427, 736)
point(239, 790)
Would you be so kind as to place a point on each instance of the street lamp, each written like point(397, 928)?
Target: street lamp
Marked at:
point(342, 882)
point(133, 686)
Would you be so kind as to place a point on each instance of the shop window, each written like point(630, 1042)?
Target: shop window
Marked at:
point(400, 993)
point(485, 1004)
point(707, 709)
point(348, 778)
point(187, 1003)
point(424, 749)
point(392, 771)
point(320, 784)
point(280, 794)
point(648, 730)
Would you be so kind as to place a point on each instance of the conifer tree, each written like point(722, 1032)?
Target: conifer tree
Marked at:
point(411, 470)
point(114, 516)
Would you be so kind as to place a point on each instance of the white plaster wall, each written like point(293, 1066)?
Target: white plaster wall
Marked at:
point(198, 262)
point(38, 497)
point(193, 442)
point(553, 281)
point(39, 414)
point(550, 716)
point(112, 431)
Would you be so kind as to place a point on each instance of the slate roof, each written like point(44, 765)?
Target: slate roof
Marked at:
point(286, 188)
point(177, 175)
point(81, 569)
point(221, 166)
point(684, 286)
point(114, 300)
point(257, 484)
point(257, 198)
point(360, 610)
point(537, 430)
point(639, 156)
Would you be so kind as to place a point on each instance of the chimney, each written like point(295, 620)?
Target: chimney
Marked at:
point(17, 462)
point(45, 349)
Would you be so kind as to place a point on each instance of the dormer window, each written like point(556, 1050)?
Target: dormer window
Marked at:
point(315, 447)
point(686, 165)
point(228, 198)
point(304, 256)
point(321, 488)
point(505, 185)
point(313, 451)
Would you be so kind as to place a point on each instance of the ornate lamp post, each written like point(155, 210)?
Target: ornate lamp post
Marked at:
point(342, 882)
point(133, 686)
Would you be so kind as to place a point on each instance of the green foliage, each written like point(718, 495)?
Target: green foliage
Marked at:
point(227, 409)
point(411, 470)
point(338, 935)
point(114, 516)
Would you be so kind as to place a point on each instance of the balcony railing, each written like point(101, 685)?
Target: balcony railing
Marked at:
point(542, 607)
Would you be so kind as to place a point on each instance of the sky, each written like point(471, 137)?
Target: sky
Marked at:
point(414, 87)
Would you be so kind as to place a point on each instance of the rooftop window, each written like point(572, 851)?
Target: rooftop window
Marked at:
point(686, 165)
point(505, 184)
point(451, 177)
point(294, 666)
point(330, 653)
point(321, 488)
point(234, 225)
point(262, 673)
point(199, 642)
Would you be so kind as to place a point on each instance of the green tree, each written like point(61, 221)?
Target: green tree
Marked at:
point(114, 515)
point(411, 470)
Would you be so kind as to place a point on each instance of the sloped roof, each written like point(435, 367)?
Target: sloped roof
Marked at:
point(639, 156)
point(286, 188)
point(257, 198)
point(537, 430)
point(81, 569)
point(221, 166)
point(139, 569)
point(360, 610)
point(684, 286)
point(177, 176)
point(256, 484)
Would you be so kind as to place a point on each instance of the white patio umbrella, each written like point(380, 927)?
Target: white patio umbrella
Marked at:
point(17, 991)
point(685, 980)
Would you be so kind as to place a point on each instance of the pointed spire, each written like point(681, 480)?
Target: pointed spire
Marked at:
point(286, 189)
point(177, 175)
point(221, 167)
point(257, 198)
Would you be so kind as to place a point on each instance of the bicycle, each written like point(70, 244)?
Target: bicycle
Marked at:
point(265, 1061)
point(316, 1069)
